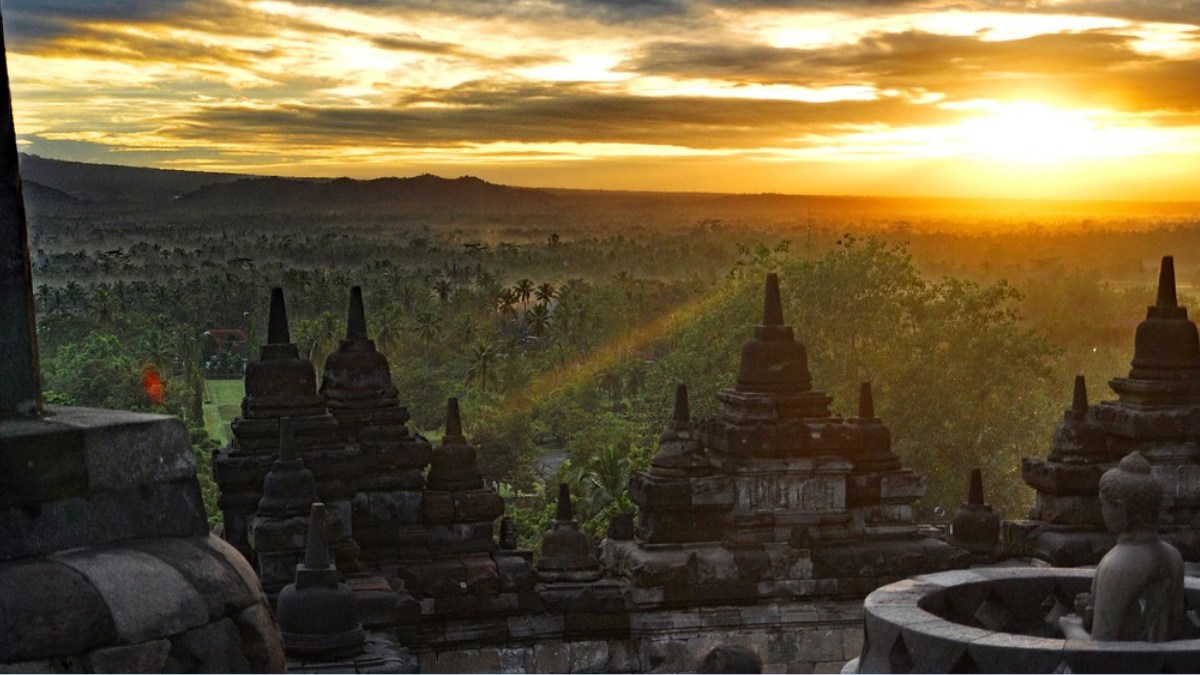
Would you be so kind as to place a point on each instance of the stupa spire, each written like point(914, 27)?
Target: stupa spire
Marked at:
point(975, 494)
point(316, 555)
point(453, 420)
point(866, 401)
point(564, 511)
point(1166, 283)
point(278, 332)
point(682, 410)
point(772, 305)
point(356, 319)
point(1079, 401)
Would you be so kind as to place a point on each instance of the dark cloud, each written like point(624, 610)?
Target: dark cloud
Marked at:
point(1087, 68)
point(1166, 11)
point(484, 112)
point(608, 11)
point(905, 59)
point(29, 21)
point(412, 43)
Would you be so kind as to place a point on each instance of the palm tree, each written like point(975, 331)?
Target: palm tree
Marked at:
point(601, 480)
point(327, 332)
point(389, 326)
point(158, 348)
point(442, 288)
point(429, 327)
point(505, 300)
point(466, 328)
point(524, 289)
point(483, 358)
point(545, 293)
point(103, 307)
point(538, 320)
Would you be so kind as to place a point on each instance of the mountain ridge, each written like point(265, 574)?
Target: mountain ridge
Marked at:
point(71, 186)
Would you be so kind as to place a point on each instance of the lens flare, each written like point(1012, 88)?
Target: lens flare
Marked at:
point(153, 385)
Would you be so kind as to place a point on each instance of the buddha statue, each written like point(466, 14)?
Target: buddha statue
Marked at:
point(1137, 593)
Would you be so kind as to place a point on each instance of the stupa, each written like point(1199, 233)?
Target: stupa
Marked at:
point(1156, 413)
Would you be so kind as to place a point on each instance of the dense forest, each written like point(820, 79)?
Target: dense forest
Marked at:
point(564, 338)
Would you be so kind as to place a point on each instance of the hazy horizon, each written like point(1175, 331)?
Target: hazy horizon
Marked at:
point(1069, 100)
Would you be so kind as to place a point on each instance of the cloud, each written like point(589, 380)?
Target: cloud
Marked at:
point(31, 21)
point(488, 112)
point(1093, 68)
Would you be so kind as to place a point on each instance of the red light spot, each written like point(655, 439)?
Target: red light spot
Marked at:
point(153, 385)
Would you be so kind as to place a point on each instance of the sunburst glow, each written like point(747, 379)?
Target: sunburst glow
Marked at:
point(685, 94)
point(1034, 132)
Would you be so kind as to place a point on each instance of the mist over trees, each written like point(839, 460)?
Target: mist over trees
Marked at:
point(564, 343)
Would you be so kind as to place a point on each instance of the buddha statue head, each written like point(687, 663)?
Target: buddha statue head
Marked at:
point(1131, 495)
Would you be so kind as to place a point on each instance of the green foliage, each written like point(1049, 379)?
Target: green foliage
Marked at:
point(97, 371)
point(203, 447)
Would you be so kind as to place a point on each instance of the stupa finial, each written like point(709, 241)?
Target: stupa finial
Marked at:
point(453, 420)
point(277, 320)
point(564, 511)
point(975, 494)
point(866, 401)
point(1166, 283)
point(1079, 400)
point(356, 320)
point(772, 305)
point(316, 553)
point(682, 410)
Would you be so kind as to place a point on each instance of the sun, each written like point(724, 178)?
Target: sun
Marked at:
point(1037, 132)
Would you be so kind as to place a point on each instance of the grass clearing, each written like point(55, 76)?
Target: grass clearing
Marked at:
point(222, 403)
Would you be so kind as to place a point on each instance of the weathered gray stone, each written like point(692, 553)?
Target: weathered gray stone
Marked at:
point(173, 509)
point(469, 661)
point(852, 642)
point(213, 648)
point(516, 660)
point(30, 629)
point(588, 657)
point(785, 648)
point(235, 560)
point(41, 460)
point(623, 657)
point(42, 667)
point(214, 577)
point(821, 644)
point(427, 662)
point(147, 597)
point(261, 643)
point(551, 657)
point(145, 657)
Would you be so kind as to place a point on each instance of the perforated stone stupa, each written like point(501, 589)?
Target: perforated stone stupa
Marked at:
point(282, 384)
point(1157, 413)
point(383, 484)
point(773, 497)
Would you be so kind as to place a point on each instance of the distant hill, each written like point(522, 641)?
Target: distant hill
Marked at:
point(115, 184)
point(42, 194)
point(420, 194)
point(64, 187)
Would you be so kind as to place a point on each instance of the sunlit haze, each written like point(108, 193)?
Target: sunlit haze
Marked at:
point(1068, 99)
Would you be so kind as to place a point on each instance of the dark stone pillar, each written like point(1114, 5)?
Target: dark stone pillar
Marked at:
point(21, 393)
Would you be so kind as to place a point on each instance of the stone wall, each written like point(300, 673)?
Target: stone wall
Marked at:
point(790, 637)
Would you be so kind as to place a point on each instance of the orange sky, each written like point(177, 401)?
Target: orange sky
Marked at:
point(1052, 99)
